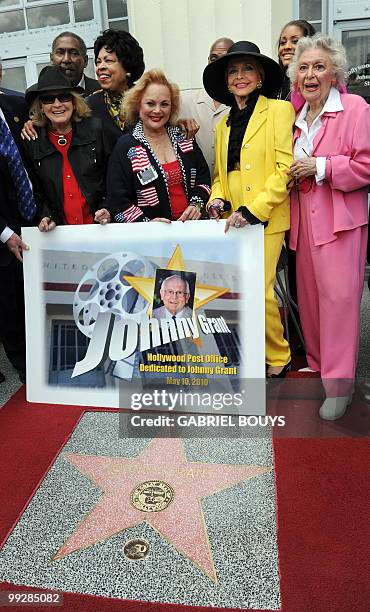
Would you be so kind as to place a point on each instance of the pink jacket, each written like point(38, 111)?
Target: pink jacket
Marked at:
point(340, 202)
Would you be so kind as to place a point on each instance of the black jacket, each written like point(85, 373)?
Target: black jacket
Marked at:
point(137, 183)
point(99, 109)
point(88, 157)
point(15, 113)
point(91, 85)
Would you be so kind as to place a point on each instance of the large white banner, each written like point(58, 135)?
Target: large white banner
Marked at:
point(114, 311)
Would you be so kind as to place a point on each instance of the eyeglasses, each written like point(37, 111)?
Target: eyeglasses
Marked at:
point(304, 185)
point(61, 97)
point(171, 292)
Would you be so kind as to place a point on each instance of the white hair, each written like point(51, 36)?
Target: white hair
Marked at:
point(168, 278)
point(331, 47)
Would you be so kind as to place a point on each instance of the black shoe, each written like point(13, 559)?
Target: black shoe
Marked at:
point(283, 372)
point(2, 377)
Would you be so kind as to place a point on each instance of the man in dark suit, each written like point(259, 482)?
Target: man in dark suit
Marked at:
point(175, 294)
point(69, 52)
point(16, 206)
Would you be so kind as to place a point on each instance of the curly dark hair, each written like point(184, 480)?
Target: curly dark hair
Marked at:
point(127, 49)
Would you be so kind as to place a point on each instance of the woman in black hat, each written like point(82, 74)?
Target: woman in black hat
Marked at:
point(119, 62)
point(68, 157)
point(253, 151)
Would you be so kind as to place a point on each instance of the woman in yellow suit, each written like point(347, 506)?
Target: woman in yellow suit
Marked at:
point(253, 156)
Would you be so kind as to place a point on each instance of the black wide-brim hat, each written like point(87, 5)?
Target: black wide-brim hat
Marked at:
point(51, 78)
point(214, 75)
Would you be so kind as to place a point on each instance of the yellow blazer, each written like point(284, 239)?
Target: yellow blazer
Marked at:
point(265, 158)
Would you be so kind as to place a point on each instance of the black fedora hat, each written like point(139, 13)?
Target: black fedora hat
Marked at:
point(214, 75)
point(51, 78)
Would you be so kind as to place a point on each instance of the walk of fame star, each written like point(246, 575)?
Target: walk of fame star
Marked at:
point(160, 466)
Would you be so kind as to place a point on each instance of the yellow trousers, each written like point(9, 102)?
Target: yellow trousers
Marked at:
point(277, 348)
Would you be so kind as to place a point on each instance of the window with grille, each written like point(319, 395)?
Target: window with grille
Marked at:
point(19, 15)
point(314, 12)
point(69, 345)
point(117, 14)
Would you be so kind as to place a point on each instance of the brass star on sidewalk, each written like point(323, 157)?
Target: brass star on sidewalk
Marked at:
point(166, 494)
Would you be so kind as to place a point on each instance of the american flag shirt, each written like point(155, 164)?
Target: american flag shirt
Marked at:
point(137, 184)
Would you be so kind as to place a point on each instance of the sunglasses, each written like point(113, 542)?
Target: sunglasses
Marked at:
point(50, 98)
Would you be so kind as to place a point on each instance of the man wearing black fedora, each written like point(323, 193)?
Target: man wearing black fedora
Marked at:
point(253, 149)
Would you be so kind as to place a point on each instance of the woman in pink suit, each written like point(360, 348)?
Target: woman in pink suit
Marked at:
point(329, 215)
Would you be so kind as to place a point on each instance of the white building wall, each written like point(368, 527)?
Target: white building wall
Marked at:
point(176, 34)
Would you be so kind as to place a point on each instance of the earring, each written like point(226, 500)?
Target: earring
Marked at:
point(128, 74)
point(259, 84)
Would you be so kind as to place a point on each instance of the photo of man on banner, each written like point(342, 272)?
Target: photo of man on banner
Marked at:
point(173, 294)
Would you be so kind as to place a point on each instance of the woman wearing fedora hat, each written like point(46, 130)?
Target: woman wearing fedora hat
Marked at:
point(253, 156)
point(69, 155)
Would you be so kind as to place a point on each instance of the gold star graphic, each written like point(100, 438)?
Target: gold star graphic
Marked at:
point(202, 295)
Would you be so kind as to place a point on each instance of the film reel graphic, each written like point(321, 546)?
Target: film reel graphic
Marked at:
point(103, 288)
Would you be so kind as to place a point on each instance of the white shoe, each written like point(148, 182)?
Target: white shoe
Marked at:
point(306, 370)
point(334, 408)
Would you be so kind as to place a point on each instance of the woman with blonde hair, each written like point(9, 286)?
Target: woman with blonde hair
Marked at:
point(69, 157)
point(155, 172)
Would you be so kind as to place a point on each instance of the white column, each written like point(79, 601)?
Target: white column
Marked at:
point(176, 34)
